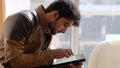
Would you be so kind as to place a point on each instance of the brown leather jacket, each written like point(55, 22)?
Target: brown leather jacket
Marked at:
point(23, 43)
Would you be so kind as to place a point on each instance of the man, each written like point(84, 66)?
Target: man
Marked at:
point(27, 35)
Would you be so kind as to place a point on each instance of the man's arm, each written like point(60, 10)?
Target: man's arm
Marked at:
point(19, 59)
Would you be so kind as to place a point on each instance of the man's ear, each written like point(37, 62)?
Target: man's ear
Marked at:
point(55, 14)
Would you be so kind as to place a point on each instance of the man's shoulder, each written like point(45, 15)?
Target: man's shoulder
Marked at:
point(31, 15)
point(19, 24)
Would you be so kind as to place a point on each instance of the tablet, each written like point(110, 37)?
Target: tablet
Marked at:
point(74, 59)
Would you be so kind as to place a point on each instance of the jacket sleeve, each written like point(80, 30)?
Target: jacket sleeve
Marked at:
point(17, 28)
point(19, 58)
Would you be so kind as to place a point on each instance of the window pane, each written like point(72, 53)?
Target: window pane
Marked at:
point(65, 38)
point(91, 28)
point(112, 24)
point(99, 23)
point(99, 2)
point(35, 3)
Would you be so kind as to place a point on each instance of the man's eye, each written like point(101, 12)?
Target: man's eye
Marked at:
point(66, 25)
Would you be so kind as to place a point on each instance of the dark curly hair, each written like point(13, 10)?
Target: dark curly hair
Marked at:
point(66, 9)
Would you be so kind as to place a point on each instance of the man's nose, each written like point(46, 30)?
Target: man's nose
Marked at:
point(64, 30)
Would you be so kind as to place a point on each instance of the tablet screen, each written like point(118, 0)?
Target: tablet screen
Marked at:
point(72, 59)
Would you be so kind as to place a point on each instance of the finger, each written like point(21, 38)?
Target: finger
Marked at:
point(69, 51)
point(72, 66)
point(63, 53)
point(79, 65)
point(67, 55)
point(59, 53)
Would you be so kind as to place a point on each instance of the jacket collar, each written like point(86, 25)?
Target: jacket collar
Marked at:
point(42, 19)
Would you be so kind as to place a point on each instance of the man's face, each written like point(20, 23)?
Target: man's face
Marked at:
point(60, 25)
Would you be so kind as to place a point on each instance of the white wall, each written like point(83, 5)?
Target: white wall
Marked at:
point(13, 6)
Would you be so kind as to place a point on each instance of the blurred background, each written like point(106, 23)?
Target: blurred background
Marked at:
point(100, 22)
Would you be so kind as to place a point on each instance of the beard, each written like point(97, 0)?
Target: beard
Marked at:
point(52, 29)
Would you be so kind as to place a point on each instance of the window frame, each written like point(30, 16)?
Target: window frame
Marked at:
point(2, 12)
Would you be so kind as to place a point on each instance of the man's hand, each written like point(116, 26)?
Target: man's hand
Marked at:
point(75, 66)
point(60, 53)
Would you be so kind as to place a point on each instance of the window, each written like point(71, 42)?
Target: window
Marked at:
point(99, 23)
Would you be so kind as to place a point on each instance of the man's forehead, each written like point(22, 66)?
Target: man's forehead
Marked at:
point(70, 21)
